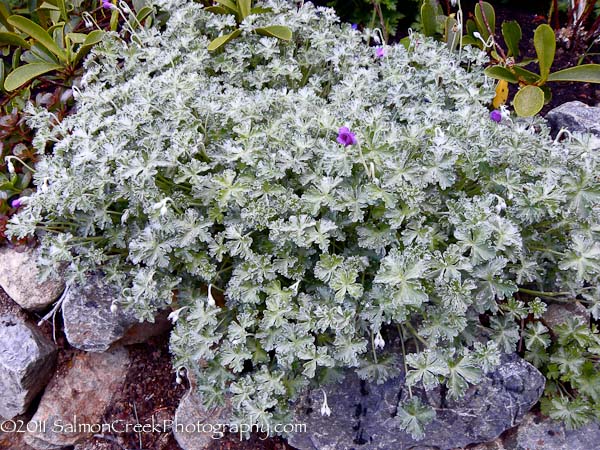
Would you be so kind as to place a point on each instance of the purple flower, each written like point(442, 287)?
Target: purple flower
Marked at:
point(346, 137)
point(355, 26)
point(107, 4)
point(496, 116)
point(380, 52)
point(17, 203)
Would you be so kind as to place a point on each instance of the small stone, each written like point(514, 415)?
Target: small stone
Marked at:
point(541, 433)
point(363, 413)
point(76, 400)
point(558, 313)
point(576, 117)
point(19, 279)
point(191, 419)
point(90, 324)
point(26, 361)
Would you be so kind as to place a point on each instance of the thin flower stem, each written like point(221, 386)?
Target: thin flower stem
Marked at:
point(373, 348)
point(401, 331)
point(543, 294)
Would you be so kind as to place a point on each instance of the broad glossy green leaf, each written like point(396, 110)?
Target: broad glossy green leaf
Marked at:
point(501, 73)
point(38, 33)
point(245, 6)
point(528, 101)
point(512, 36)
point(217, 10)
point(14, 39)
point(490, 16)
point(470, 40)
point(586, 73)
point(428, 19)
point(230, 5)
point(222, 40)
point(77, 38)
point(526, 75)
point(260, 10)
point(545, 47)
point(26, 73)
point(277, 31)
point(92, 39)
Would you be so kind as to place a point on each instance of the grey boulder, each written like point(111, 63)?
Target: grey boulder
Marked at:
point(576, 117)
point(363, 414)
point(19, 279)
point(541, 433)
point(90, 324)
point(26, 361)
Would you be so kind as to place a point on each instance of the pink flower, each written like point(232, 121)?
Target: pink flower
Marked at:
point(346, 137)
point(380, 52)
point(107, 4)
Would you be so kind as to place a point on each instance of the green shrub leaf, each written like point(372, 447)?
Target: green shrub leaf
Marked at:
point(38, 33)
point(512, 36)
point(545, 47)
point(587, 73)
point(277, 31)
point(529, 101)
point(26, 73)
point(501, 73)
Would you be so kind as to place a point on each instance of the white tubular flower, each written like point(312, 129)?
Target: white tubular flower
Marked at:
point(114, 308)
point(10, 166)
point(325, 411)
point(295, 287)
point(211, 299)
point(174, 315)
point(379, 342)
point(162, 206)
point(44, 187)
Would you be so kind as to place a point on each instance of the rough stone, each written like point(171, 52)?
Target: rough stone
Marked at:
point(540, 433)
point(191, 420)
point(13, 438)
point(19, 279)
point(576, 117)
point(362, 415)
point(77, 399)
point(90, 325)
point(558, 313)
point(26, 361)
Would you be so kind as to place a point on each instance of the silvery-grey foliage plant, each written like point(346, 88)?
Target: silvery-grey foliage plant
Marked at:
point(312, 206)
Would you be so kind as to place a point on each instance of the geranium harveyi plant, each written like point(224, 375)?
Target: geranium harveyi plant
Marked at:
point(301, 204)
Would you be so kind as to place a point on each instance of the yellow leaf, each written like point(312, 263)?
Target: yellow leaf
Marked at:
point(501, 94)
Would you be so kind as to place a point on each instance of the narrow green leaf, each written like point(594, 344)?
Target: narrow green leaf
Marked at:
point(490, 16)
point(545, 47)
point(587, 73)
point(277, 31)
point(38, 33)
point(13, 39)
point(512, 36)
point(144, 13)
point(501, 73)
point(92, 39)
point(528, 101)
point(222, 40)
point(114, 20)
point(428, 19)
point(62, 6)
point(5, 13)
point(2, 70)
point(452, 33)
point(26, 73)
